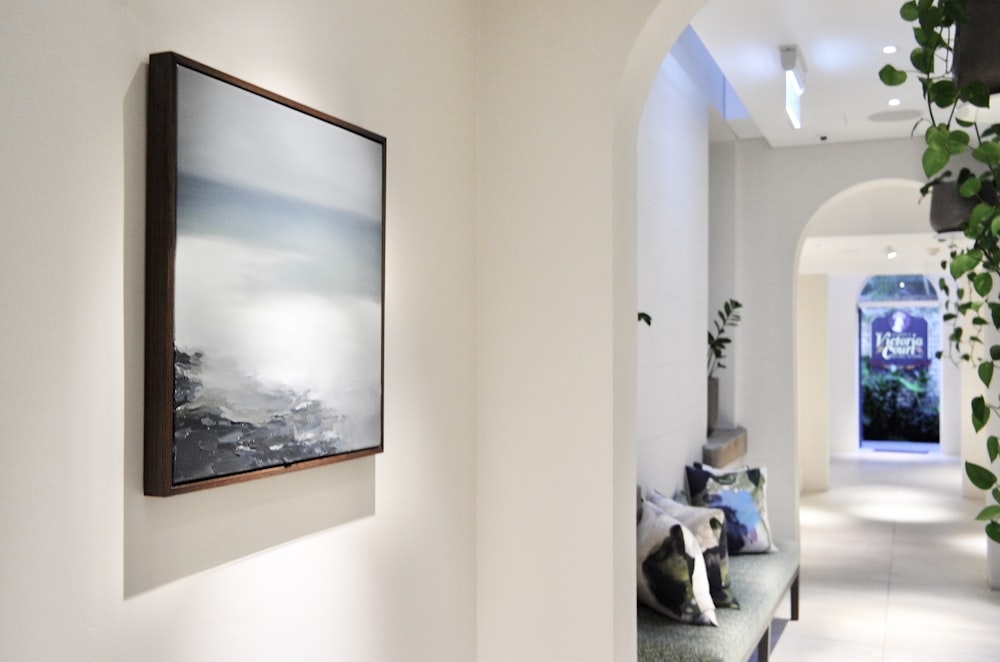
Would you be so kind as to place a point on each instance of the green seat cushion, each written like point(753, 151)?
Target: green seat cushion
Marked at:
point(759, 581)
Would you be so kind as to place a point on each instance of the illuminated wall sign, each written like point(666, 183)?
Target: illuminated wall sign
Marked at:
point(899, 340)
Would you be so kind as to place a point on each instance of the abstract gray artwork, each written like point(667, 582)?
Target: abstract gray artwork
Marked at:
point(277, 284)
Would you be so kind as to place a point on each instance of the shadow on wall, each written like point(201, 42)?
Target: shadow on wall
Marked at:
point(166, 539)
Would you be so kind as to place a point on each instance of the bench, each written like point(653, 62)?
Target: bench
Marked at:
point(760, 582)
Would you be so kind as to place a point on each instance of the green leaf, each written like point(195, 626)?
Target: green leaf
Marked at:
point(964, 263)
point(980, 415)
point(985, 373)
point(909, 11)
point(970, 186)
point(988, 513)
point(981, 477)
point(922, 59)
point(936, 134)
point(993, 449)
point(923, 37)
point(891, 76)
point(995, 349)
point(993, 531)
point(981, 212)
point(996, 495)
point(957, 140)
point(988, 153)
point(977, 93)
point(943, 93)
point(983, 283)
point(935, 158)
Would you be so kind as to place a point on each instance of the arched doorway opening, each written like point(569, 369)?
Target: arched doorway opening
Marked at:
point(899, 378)
point(842, 246)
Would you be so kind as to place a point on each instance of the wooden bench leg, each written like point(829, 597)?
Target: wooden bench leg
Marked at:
point(764, 646)
point(795, 598)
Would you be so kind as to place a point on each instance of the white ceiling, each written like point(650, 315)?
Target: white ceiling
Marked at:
point(841, 45)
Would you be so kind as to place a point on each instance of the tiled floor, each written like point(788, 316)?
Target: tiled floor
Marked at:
point(893, 567)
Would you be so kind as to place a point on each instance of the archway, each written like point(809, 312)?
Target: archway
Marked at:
point(843, 243)
point(655, 39)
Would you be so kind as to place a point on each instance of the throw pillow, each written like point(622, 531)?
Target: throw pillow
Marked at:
point(742, 495)
point(670, 569)
point(709, 528)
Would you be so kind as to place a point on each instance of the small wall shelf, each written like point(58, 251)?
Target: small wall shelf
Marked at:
point(724, 446)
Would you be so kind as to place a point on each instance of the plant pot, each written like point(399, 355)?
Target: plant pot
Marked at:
point(977, 50)
point(713, 403)
point(950, 211)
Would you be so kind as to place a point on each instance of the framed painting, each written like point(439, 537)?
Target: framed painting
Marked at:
point(265, 251)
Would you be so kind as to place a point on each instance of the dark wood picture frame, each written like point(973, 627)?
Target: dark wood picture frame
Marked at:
point(265, 272)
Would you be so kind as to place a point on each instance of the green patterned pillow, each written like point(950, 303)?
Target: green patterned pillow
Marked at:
point(709, 527)
point(742, 495)
point(670, 569)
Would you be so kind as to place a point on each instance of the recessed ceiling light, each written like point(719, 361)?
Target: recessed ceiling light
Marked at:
point(889, 50)
point(894, 102)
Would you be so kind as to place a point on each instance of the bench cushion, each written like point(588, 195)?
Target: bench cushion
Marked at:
point(760, 581)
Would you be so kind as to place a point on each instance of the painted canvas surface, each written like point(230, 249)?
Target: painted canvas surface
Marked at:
point(277, 286)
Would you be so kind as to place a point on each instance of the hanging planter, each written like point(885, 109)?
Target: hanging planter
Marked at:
point(950, 212)
point(971, 75)
point(977, 50)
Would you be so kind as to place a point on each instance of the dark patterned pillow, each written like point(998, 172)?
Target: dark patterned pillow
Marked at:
point(670, 569)
point(709, 528)
point(742, 495)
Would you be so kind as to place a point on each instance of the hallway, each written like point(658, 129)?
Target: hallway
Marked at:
point(893, 567)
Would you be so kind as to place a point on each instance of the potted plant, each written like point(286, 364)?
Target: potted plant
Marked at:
point(728, 317)
point(972, 298)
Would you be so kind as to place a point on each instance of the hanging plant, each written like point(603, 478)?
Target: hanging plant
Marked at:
point(974, 267)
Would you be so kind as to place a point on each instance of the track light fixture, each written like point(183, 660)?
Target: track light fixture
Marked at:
point(795, 82)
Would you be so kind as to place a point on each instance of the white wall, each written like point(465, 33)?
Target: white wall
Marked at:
point(672, 275)
point(723, 237)
point(499, 523)
point(370, 560)
point(779, 191)
point(812, 397)
point(561, 90)
point(843, 350)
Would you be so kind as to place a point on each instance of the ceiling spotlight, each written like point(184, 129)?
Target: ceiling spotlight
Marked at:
point(795, 82)
point(890, 253)
point(889, 50)
point(894, 102)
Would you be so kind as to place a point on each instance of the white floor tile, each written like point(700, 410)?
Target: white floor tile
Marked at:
point(893, 567)
point(793, 648)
